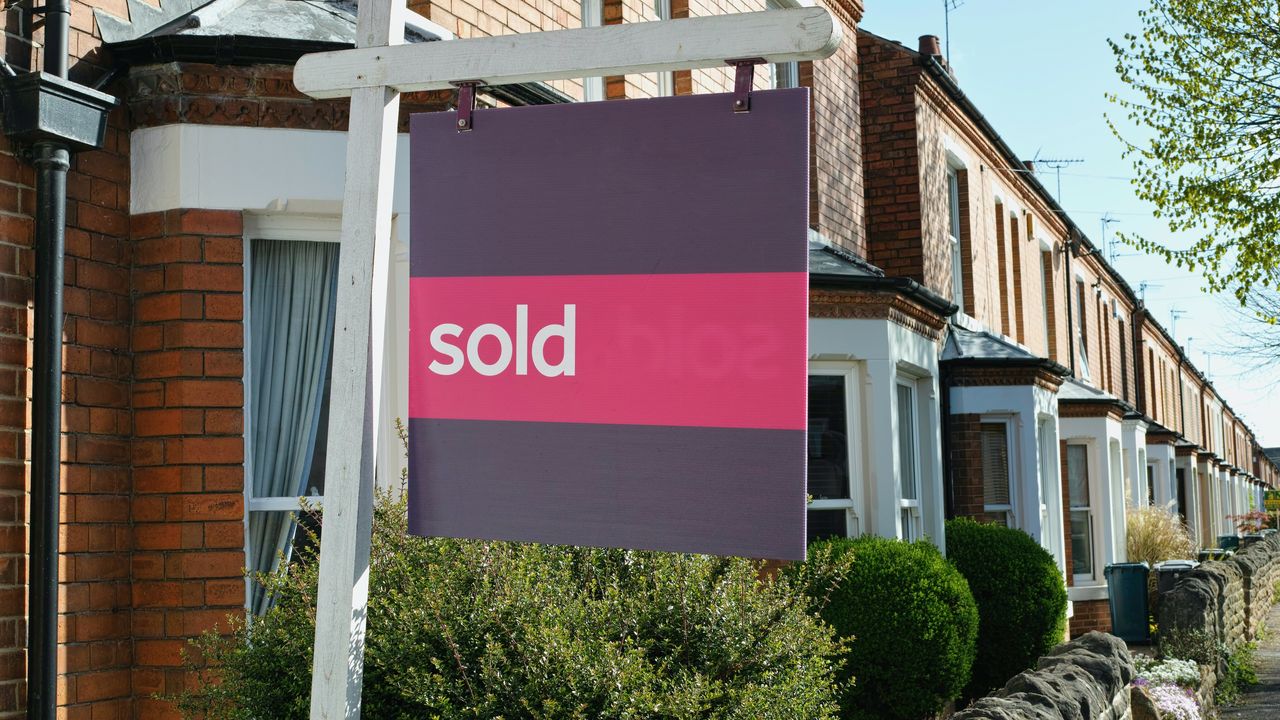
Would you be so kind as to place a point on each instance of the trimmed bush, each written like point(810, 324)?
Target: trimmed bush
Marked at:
point(912, 620)
point(1022, 600)
point(485, 630)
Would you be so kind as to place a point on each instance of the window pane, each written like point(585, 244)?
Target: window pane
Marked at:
point(1151, 485)
point(1081, 542)
point(953, 201)
point(909, 532)
point(825, 524)
point(907, 458)
point(995, 463)
point(1078, 475)
point(828, 438)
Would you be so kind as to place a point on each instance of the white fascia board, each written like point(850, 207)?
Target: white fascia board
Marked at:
point(243, 168)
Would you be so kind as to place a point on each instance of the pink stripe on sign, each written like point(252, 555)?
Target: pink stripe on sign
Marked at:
point(697, 350)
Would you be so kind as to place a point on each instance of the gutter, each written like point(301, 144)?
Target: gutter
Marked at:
point(900, 285)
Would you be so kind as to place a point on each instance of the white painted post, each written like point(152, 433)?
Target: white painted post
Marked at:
point(363, 270)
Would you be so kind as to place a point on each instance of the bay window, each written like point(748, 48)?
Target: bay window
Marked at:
point(910, 523)
point(831, 451)
point(1081, 500)
point(997, 485)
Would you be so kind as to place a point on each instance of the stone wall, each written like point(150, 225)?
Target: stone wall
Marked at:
point(1087, 678)
point(1220, 604)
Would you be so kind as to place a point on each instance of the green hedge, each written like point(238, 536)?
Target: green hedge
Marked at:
point(1022, 601)
point(912, 620)
point(486, 630)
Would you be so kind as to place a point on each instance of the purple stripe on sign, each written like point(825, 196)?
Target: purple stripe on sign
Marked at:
point(725, 491)
point(594, 200)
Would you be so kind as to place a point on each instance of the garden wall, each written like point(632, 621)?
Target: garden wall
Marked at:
point(1222, 603)
point(1087, 678)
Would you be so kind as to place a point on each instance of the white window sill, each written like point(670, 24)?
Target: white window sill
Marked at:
point(1080, 593)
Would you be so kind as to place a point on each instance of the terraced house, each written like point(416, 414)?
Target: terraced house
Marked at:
point(971, 354)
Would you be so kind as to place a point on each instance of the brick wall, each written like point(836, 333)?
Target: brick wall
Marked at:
point(188, 398)
point(1090, 615)
point(965, 443)
point(16, 196)
point(96, 528)
point(887, 80)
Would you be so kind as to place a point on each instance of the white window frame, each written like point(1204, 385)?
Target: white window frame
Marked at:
point(592, 12)
point(1011, 449)
point(954, 231)
point(1082, 328)
point(853, 506)
point(282, 227)
point(910, 517)
point(1094, 577)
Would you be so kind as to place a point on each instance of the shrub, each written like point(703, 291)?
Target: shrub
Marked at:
point(1021, 597)
point(1155, 534)
point(469, 629)
point(911, 618)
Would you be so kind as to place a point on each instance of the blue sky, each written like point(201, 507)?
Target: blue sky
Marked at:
point(1039, 71)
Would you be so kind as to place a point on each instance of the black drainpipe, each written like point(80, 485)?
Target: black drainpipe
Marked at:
point(51, 158)
point(48, 117)
point(1067, 249)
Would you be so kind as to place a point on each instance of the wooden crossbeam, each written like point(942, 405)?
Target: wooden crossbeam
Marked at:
point(703, 42)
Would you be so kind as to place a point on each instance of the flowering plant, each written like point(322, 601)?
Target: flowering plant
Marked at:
point(1170, 671)
point(1176, 703)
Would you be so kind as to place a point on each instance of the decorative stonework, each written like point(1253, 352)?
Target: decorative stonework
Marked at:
point(873, 305)
point(256, 96)
point(1001, 376)
point(1090, 410)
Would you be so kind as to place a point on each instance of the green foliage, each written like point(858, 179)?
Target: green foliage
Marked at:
point(910, 616)
point(1204, 77)
point(1242, 671)
point(468, 629)
point(1155, 533)
point(1021, 597)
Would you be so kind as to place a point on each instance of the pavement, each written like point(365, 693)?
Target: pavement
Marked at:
point(1262, 701)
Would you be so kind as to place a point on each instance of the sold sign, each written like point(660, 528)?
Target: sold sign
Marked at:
point(608, 318)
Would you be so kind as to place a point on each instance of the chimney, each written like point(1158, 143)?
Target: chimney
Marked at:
point(1031, 165)
point(930, 46)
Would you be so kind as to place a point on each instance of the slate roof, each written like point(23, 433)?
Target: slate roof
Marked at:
point(965, 344)
point(826, 260)
point(1075, 391)
point(314, 21)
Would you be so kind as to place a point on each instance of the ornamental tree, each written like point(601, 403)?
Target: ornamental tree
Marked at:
point(1205, 82)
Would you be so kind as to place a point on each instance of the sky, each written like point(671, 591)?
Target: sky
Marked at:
point(1040, 71)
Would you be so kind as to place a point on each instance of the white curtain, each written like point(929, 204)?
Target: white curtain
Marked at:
point(291, 307)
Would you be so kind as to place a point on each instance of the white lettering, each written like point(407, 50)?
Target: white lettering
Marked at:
point(521, 349)
point(567, 333)
point(439, 345)
point(504, 354)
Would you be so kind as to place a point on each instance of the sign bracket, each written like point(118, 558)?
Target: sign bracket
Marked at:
point(466, 103)
point(743, 80)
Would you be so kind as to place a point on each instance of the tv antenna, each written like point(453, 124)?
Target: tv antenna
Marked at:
point(947, 7)
point(1108, 221)
point(1174, 314)
point(1142, 289)
point(1056, 164)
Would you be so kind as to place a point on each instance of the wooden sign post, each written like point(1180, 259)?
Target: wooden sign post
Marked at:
point(373, 75)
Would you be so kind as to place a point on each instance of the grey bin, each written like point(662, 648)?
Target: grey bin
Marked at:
point(1127, 591)
point(1168, 572)
point(1216, 554)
